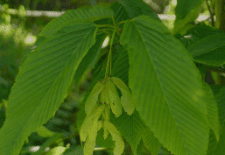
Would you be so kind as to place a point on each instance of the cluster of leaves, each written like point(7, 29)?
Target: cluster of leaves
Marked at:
point(174, 107)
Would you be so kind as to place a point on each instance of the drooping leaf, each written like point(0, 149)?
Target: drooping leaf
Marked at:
point(169, 100)
point(217, 148)
point(44, 132)
point(206, 44)
point(131, 128)
point(91, 140)
point(87, 123)
point(212, 111)
point(150, 142)
point(115, 102)
point(88, 13)
point(126, 98)
point(214, 58)
point(90, 58)
point(128, 9)
point(42, 83)
point(186, 12)
point(93, 97)
point(119, 144)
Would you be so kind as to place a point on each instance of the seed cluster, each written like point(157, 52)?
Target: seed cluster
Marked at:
point(103, 97)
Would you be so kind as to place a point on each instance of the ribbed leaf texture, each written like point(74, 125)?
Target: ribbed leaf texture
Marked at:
point(90, 58)
point(128, 9)
point(150, 142)
point(217, 148)
point(166, 86)
point(89, 13)
point(43, 82)
point(213, 117)
point(131, 128)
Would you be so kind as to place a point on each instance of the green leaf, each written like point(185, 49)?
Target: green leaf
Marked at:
point(126, 98)
point(128, 9)
point(42, 83)
point(217, 148)
point(91, 118)
point(93, 97)
point(186, 12)
point(119, 144)
point(44, 132)
point(212, 111)
point(206, 44)
point(120, 65)
point(59, 150)
point(90, 58)
point(150, 142)
point(169, 100)
point(214, 58)
point(88, 13)
point(131, 128)
point(115, 102)
point(92, 134)
point(86, 125)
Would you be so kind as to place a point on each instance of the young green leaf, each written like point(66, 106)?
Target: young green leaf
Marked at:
point(93, 97)
point(106, 118)
point(126, 99)
point(85, 127)
point(44, 132)
point(119, 144)
point(91, 140)
point(92, 117)
point(114, 98)
point(104, 97)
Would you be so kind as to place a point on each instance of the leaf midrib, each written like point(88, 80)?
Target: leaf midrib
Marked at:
point(160, 85)
point(17, 138)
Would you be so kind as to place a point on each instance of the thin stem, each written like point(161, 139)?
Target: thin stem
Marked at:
point(122, 22)
point(210, 12)
point(106, 30)
point(109, 60)
point(110, 51)
point(106, 26)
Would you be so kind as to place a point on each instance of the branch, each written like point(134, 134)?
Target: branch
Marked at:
point(54, 14)
point(210, 12)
